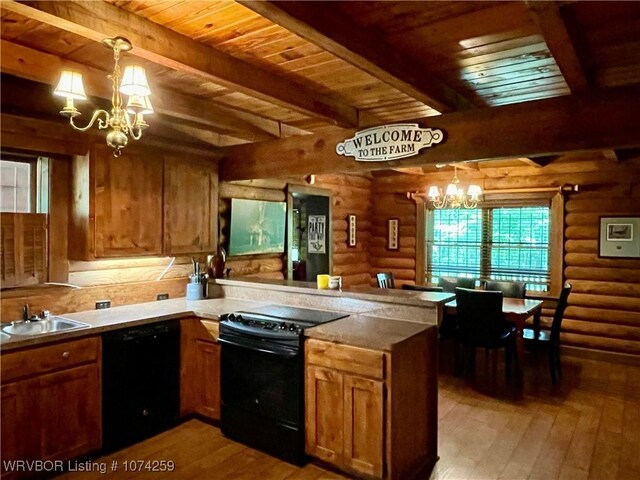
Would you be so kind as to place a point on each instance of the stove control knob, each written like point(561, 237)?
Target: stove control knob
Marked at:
point(231, 317)
point(292, 327)
point(283, 326)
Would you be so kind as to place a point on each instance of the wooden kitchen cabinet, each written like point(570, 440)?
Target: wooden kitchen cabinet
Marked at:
point(199, 368)
point(190, 206)
point(324, 414)
point(363, 424)
point(366, 414)
point(143, 203)
point(127, 202)
point(13, 426)
point(117, 204)
point(51, 402)
point(345, 411)
point(64, 406)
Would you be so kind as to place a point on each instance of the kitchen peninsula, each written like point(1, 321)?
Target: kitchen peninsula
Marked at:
point(370, 407)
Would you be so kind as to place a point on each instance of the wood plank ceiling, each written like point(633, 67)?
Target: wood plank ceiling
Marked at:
point(322, 65)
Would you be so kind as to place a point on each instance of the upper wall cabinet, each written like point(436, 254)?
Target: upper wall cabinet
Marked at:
point(190, 206)
point(141, 203)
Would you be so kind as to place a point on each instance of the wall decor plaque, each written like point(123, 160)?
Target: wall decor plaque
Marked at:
point(389, 142)
point(392, 234)
point(351, 231)
point(619, 237)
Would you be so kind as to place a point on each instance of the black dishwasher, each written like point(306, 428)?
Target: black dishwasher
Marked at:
point(140, 382)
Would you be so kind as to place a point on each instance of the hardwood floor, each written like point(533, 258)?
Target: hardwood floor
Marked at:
point(587, 428)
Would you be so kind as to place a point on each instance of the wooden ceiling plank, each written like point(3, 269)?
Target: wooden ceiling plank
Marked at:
point(99, 20)
point(44, 68)
point(554, 30)
point(202, 135)
point(597, 121)
point(334, 33)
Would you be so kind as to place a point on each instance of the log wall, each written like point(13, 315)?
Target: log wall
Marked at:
point(351, 194)
point(604, 306)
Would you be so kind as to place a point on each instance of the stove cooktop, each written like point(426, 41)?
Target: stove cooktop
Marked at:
point(275, 321)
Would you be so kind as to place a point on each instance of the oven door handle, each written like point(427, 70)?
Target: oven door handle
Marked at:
point(272, 351)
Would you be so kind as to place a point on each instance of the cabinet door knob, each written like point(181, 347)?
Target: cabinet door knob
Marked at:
point(66, 354)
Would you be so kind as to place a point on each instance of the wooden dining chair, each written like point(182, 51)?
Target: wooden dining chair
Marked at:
point(449, 284)
point(550, 339)
point(508, 289)
point(385, 280)
point(481, 323)
point(421, 288)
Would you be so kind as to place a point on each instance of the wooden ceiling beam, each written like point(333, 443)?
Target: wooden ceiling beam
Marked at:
point(199, 134)
point(45, 68)
point(554, 30)
point(610, 155)
point(30, 99)
point(56, 136)
point(410, 170)
point(161, 45)
point(468, 166)
point(627, 154)
point(332, 32)
point(597, 121)
point(539, 161)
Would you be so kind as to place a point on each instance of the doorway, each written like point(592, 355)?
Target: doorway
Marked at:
point(309, 232)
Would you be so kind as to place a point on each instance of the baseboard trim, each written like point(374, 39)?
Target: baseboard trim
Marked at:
point(601, 355)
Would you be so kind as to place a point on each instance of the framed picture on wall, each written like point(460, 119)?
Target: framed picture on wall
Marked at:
point(392, 234)
point(351, 230)
point(619, 237)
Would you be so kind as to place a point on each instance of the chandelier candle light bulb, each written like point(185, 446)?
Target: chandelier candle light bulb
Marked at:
point(123, 122)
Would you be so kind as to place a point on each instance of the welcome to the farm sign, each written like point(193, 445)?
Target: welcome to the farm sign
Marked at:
point(389, 142)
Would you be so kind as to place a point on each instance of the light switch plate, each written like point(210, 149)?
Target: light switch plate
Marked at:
point(162, 296)
point(102, 304)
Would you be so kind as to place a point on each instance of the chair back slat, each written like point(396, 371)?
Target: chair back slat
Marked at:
point(480, 317)
point(449, 284)
point(508, 289)
point(563, 301)
point(385, 280)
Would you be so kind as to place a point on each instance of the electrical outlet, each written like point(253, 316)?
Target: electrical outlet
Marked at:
point(102, 304)
point(162, 296)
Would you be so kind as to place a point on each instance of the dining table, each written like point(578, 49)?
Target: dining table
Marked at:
point(516, 310)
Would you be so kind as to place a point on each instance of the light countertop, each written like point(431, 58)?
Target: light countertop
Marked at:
point(367, 331)
point(392, 295)
point(132, 315)
point(357, 329)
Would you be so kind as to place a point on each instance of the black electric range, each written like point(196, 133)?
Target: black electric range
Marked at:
point(262, 377)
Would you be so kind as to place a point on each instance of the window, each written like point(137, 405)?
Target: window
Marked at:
point(16, 187)
point(24, 183)
point(497, 243)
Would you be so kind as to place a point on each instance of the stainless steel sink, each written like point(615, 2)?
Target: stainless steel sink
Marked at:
point(41, 327)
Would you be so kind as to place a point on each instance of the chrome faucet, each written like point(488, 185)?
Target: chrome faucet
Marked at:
point(25, 313)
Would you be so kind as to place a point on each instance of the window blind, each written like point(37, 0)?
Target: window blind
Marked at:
point(509, 243)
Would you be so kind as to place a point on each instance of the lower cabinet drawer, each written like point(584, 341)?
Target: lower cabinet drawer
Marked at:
point(361, 361)
point(39, 360)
